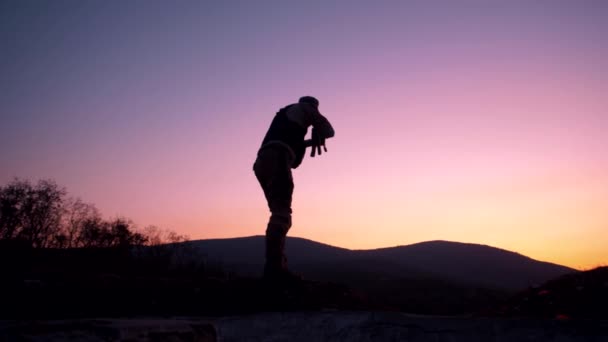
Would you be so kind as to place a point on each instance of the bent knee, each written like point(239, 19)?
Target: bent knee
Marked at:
point(281, 219)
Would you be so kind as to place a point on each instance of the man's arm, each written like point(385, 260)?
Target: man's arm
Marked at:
point(308, 115)
point(322, 126)
point(321, 130)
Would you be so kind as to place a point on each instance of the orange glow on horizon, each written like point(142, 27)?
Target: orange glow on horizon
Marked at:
point(472, 123)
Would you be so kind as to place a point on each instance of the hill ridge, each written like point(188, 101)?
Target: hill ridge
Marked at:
point(455, 262)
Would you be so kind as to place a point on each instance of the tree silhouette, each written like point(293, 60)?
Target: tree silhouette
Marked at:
point(41, 216)
point(78, 216)
point(31, 213)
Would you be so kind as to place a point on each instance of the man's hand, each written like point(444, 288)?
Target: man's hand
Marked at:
point(316, 142)
point(317, 149)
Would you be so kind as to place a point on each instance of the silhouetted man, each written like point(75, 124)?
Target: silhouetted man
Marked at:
point(283, 149)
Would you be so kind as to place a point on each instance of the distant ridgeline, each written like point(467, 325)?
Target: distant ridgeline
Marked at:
point(457, 263)
point(59, 259)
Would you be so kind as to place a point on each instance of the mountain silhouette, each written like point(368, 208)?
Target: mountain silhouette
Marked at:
point(452, 262)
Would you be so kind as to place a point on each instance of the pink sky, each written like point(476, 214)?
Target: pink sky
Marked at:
point(471, 122)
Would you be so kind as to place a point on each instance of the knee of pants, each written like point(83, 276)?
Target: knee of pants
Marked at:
point(280, 222)
point(281, 219)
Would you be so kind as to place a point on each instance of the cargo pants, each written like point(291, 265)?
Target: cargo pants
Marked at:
point(273, 170)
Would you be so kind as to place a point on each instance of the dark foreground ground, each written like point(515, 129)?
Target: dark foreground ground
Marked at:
point(309, 326)
point(106, 295)
point(88, 283)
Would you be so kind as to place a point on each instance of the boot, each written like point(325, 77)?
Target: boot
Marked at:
point(275, 269)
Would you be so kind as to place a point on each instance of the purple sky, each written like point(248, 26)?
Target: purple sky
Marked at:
point(476, 121)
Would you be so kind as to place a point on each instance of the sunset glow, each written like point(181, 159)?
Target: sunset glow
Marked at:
point(471, 121)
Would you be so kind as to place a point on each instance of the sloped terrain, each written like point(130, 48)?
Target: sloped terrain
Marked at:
point(581, 295)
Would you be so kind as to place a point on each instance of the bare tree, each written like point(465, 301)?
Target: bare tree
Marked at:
point(157, 236)
point(121, 233)
point(154, 235)
point(93, 233)
point(78, 217)
point(41, 216)
point(12, 198)
point(31, 212)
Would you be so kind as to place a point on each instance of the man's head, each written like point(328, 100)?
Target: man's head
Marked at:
point(310, 100)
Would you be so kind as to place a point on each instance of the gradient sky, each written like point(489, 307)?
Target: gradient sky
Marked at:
point(472, 121)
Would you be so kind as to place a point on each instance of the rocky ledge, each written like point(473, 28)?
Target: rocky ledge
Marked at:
point(308, 326)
